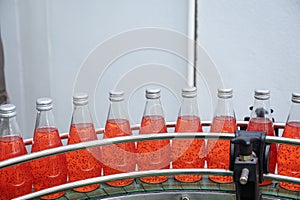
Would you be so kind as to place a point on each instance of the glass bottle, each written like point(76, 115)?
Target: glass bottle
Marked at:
point(118, 158)
point(224, 121)
point(188, 153)
point(50, 171)
point(261, 120)
point(153, 155)
point(288, 159)
point(15, 180)
point(83, 164)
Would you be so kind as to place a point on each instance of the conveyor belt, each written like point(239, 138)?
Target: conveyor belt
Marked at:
point(173, 189)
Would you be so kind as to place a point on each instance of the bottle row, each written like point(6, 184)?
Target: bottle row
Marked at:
point(146, 155)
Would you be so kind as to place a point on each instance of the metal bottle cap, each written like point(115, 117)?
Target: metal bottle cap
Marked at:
point(8, 110)
point(189, 92)
point(225, 93)
point(296, 97)
point(262, 94)
point(44, 104)
point(152, 93)
point(80, 98)
point(116, 96)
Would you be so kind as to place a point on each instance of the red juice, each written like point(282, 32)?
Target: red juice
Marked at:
point(83, 164)
point(219, 150)
point(153, 155)
point(15, 180)
point(288, 156)
point(118, 158)
point(50, 171)
point(187, 153)
point(265, 125)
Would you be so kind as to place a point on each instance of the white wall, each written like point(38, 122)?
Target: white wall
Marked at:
point(254, 44)
point(250, 44)
point(47, 41)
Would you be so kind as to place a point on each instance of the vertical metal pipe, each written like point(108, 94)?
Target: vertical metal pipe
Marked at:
point(3, 95)
point(191, 42)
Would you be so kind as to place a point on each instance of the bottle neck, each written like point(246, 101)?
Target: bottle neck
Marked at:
point(294, 114)
point(224, 108)
point(44, 119)
point(153, 107)
point(261, 109)
point(189, 107)
point(81, 114)
point(9, 126)
point(117, 110)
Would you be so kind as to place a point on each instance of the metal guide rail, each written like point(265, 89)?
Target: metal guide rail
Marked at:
point(170, 189)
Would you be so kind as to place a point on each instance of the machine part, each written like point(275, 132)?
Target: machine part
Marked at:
point(185, 197)
point(244, 176)
point(257, 144)
point(177, 195)
point(169, 172)
point(118, 140)
point(247, 167)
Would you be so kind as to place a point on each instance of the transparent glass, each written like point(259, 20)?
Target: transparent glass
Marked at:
point(261, 121)
point(50, 171)
point(187, 153)
point(288, 159)
point(83, 164)
point(15, 180)
point(153, 155)
point(218, 151)
point(118, 158)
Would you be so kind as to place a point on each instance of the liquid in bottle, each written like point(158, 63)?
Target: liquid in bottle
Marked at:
point(153, 155)
point(49, 171)
point(224, 121)
point(288, 155)
point(118, 158)
point(188, 153)
point(83, 164)
point(15, 180)
point(261, 121)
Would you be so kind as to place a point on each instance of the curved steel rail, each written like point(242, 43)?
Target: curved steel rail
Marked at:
point(135, 138)
point(169, 125)
point(165, 172)
point(109, 141)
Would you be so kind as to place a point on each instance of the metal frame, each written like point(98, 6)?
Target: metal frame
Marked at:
point(136, 138)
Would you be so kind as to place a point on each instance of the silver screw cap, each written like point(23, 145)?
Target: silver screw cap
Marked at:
point(262, 94)
point(152, 93)
point(116, 96)
point(44, 104)
point(189, 92)
point(296, 97)
point(225, 93)
point(8, 110)
point(80, 98)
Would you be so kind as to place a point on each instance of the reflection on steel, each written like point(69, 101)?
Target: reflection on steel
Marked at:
point(282, 140)
point(244, 176)
point(169, 125)
point(109, 141)
point(166, 172)
point(280, 178)
point(135, 138)
point(103, 179)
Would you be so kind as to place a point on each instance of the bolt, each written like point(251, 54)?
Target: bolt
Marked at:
point(244, 176)
point(185, 197)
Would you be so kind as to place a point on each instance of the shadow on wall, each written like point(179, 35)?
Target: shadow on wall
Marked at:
point(3, 94)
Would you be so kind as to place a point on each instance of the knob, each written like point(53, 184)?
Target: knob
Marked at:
point(244, 176)
point(185, 197)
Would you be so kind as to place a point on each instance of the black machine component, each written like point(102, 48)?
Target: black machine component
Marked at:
point(249, 160)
